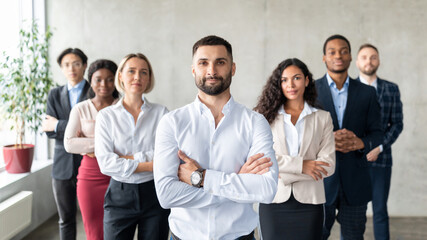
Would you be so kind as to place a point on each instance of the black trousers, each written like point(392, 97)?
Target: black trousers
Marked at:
point(65, 195)
point(291, 220)
point(128, 206)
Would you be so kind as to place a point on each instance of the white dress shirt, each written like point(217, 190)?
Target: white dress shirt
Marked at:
point(223, 208)
point(117, 135)
point(374, 83)
point(295, 132)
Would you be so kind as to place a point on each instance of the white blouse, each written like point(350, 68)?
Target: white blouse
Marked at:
point(295, 132)
point(116, 134)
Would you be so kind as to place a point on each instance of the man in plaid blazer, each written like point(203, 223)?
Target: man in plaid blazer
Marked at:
point(388, 96)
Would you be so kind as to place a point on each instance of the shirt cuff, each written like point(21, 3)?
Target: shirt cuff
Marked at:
point(56, 126)
point(381, 148)
point(211, 177)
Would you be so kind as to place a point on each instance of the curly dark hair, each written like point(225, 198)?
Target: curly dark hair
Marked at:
point(100, 64)
point(272, 97)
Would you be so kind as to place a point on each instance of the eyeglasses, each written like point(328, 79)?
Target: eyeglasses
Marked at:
point(74, 65)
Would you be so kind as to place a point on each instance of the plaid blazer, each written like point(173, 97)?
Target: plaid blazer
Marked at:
point(388, 96)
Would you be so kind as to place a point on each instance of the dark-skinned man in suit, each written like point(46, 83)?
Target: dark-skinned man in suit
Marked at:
point(356, 116)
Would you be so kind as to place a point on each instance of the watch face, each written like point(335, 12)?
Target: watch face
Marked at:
point(195, 178)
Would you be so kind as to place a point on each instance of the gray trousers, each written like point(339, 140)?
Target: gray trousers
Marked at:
point(65, 195)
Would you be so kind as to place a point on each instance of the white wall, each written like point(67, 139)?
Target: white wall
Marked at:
point(263, 33)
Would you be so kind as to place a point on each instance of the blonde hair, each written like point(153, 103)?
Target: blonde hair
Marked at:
point(119, 84)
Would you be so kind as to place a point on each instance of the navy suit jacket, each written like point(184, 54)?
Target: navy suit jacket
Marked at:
point(65, 165)
point(362, 116)
point(388, 96)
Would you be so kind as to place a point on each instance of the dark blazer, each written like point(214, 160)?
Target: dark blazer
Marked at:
point(65, 165)
point(388, 96)
point(362, 116)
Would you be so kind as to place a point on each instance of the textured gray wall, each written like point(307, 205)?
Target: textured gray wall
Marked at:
point(263, 33)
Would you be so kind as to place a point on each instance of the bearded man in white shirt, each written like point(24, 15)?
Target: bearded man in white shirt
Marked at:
point(214, 157)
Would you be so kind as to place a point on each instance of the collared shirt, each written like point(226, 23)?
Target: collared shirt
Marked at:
point(75, 91)
point(375, 85)
point(116, 134)
point(294, 133)
point(339, 96)
point(223, 207)
point(74, 94)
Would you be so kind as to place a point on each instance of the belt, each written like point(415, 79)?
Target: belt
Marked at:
point(250, 236)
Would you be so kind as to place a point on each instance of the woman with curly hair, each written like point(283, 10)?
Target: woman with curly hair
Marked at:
point(305, 151)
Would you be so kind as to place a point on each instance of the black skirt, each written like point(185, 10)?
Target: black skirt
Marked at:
point(291, 220)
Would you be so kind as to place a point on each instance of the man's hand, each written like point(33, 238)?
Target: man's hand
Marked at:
point(187, 168)
point(256, 164)
point(92, 155)
point(346, 141)
point(127, 157)
point(49, 124)
point(372, 156)
point(314, 168)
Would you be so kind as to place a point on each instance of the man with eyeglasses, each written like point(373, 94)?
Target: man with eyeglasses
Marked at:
point(357, 129)
point(73, 63)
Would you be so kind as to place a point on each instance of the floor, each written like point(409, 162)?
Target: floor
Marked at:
point(401, 228)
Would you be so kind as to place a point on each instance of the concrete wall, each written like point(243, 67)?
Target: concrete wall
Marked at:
point(263, 33)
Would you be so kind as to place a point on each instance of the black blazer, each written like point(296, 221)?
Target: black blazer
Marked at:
point(65, 165)
point(362, 116)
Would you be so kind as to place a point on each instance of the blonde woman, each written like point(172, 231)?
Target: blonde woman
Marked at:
point(124, 147)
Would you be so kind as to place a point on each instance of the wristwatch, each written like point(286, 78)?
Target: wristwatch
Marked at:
point(197, 178)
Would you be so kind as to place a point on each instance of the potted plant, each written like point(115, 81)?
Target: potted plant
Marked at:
point(24, 85)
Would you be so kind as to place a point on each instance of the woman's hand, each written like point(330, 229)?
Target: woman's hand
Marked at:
point(256, 164)
point(314, 168)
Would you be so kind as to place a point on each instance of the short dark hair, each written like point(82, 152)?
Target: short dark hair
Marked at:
point(213, 40)
point(333, 37)
point(75, 51)
point(367, 45)
point(101, 64)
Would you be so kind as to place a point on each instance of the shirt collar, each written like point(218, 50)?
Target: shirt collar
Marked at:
point(374, 83)
point(225, 110)
point(145, 105)
point(78, 86)
point(331, 82)
point(307, 110)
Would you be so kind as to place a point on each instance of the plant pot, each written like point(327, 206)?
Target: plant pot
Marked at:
point(18, 159)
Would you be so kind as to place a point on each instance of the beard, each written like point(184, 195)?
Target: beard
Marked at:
point(370, 72)
point(213, 90)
